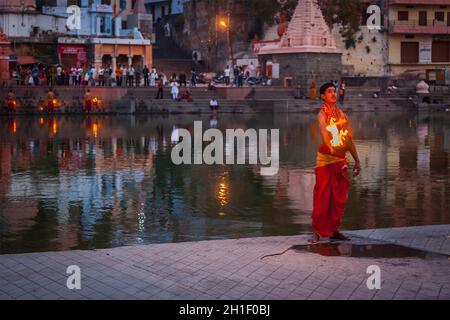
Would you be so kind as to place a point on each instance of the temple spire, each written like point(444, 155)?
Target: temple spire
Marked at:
point(139, 7)
point(307, 31)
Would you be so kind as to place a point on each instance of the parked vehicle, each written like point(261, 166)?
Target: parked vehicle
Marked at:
point(202, 79)
point(219, 79)
point(253, 81)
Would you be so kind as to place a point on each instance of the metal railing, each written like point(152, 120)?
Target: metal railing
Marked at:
point(417, 26)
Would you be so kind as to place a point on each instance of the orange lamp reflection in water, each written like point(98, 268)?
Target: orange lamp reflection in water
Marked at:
point(41, 121)
point(222, 192)
point(339, 136)
point(53, 126)
point(95, 129)
point(14, 126)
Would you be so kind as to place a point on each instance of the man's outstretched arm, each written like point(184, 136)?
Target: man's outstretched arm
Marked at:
point(354, 153)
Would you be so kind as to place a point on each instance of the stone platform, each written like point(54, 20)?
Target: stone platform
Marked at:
point(240, 269)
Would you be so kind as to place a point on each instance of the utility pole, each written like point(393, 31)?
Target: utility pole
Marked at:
point(229, 39)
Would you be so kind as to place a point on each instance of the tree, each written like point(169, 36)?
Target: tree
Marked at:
point(347, 13)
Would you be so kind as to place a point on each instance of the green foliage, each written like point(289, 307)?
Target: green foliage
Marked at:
point(262, 10)
point(346, 13)
point(349, 42)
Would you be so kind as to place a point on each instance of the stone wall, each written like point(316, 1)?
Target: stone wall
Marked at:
point(307, 67)
point(370, 55)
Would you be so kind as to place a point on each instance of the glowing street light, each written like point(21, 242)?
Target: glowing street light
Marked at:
point(223, 23)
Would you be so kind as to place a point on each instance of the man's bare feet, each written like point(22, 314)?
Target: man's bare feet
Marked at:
point(339, 236)
point(315, 239)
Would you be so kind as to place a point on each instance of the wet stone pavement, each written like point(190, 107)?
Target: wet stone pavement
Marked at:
point(270, 268)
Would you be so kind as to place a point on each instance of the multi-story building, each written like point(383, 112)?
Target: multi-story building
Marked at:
point(38, 31)
point(419, 37)
point(161, 8)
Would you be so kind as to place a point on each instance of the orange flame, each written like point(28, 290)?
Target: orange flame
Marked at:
point(339, 136)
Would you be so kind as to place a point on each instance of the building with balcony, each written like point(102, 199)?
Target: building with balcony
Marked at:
point(419, 37)
point(161, 8)
point(38, 33)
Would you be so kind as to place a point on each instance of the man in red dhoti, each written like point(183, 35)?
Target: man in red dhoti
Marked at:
point(332, 181)
point(88, 101)
point(11, 101)
point(51, 105)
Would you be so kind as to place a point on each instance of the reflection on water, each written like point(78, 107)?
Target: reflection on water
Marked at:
point(388, 251)
point(101, 182)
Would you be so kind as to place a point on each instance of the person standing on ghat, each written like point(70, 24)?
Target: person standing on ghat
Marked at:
point(146, 73)
point(332, 179)
point(118, 76)
point(160, 94)
point(124, 70)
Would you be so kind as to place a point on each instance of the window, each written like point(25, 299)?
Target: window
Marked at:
point(409, 52)
point(439, 16)
point(440, 51)
point(403, 16)
point(423, 18)
point(73, 3)
point(102, 25)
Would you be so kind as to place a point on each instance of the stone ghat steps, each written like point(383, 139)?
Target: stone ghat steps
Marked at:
point(171, 66)
point(150, 94)
point(146, 104)
point(174, 107)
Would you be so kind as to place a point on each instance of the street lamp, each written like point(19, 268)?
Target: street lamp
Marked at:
point(225, 24)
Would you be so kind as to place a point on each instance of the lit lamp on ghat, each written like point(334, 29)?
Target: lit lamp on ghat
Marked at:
point(11, 102)
point(52, 104)
point(91, 104)
point(96, 103)
point(11, 105)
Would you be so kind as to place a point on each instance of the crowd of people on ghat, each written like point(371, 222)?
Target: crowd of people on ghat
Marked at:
point(130, 76)
point(122, 76)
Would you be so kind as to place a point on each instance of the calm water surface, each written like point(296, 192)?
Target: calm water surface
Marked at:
point(101, 182)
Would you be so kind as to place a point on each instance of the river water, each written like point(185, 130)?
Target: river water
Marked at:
point(101, 182)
